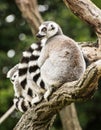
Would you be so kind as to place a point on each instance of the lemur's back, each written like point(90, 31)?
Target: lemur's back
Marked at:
point(64, 61)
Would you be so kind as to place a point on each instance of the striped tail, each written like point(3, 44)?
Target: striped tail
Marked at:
point(21, 104)
point(34, 69)
point(23, 65)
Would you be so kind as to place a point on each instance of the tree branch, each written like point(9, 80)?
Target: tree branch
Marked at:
point(7, 114)
point(86, 11)
point(91, 14)
point(30, 12)
point(69, 118)
point(40, 116)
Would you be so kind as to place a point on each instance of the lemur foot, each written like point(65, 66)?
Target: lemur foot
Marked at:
point(48, 93)
point(36, 100)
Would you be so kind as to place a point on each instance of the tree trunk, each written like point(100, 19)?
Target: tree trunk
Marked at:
point(69, 118)
point(29, 10)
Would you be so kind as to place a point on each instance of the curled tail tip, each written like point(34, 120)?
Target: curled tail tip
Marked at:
point(8, 74)
point(12, 71)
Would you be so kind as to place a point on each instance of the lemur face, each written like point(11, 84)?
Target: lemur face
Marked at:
point(48, 29)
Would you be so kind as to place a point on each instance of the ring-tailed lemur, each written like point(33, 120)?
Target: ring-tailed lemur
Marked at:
point(60, 60)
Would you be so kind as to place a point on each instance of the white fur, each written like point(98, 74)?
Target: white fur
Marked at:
point(24, 65)
point(37, 72)
point(22, 78)
point(12, 71)
point(36, 53)
point(34, 46)
point(31, 63)
point(43, 42)
point(26, 54)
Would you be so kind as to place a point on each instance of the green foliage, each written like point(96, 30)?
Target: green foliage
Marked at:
point(16, 35)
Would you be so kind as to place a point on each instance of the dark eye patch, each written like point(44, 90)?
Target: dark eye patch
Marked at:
point(44, 29)
point(52, 27)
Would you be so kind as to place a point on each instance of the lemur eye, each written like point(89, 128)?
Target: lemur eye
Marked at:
point(15, 76)
point(52, 27)
point(44, 29)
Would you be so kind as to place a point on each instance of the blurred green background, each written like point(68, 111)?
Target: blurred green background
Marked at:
point(16, 36)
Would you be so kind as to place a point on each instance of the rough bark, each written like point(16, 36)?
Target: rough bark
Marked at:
point(41, 117)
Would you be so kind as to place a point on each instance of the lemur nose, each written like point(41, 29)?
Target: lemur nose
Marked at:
point(39, 35)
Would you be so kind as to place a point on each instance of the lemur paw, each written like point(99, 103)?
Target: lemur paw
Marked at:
point(46, 97)
point(36, 100)
point(47, 94)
